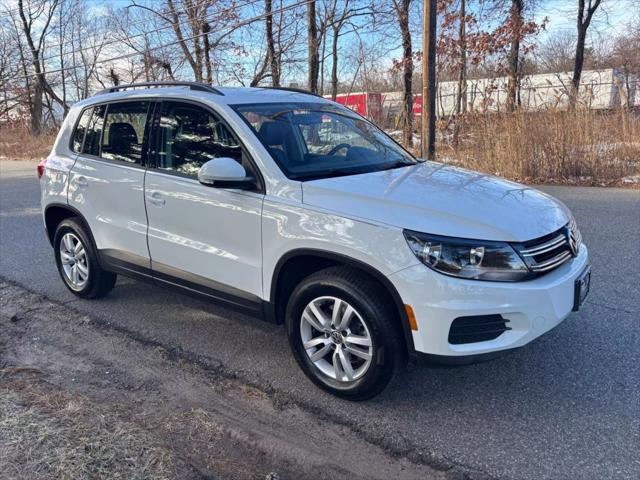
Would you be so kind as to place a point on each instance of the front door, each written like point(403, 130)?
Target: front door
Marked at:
point(201, 238)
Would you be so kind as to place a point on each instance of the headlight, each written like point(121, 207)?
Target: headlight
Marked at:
point(473, 259)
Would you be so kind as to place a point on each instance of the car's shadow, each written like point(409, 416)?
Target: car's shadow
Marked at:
point(548, 369)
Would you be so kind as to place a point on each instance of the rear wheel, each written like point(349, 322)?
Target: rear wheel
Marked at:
point(342, 333)
point(77, 261)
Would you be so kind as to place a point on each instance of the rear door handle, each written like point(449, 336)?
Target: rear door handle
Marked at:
point(82, 182)
point(156, 199)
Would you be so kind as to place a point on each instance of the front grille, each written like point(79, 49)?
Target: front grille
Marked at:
point(477, 328)
point(546, 253)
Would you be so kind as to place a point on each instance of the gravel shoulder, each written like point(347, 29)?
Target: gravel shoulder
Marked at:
point(80, 399)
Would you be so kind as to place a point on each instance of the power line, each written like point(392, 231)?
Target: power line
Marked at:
point(142, 34)
point(8, 12)
point(133, 54)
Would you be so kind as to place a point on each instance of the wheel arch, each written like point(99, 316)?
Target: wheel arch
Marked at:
point(315, 260)
point(54, 213)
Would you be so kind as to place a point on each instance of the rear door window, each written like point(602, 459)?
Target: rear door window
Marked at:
point(123, 134)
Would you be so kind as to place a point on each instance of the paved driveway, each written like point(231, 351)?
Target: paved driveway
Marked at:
point(566, 406)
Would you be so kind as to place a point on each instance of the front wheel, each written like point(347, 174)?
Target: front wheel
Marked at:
point(343, 333)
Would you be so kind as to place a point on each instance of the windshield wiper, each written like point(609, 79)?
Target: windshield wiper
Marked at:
point(328, 173)
point(339, 172)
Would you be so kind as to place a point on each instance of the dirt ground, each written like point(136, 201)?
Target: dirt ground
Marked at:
point(80, 399)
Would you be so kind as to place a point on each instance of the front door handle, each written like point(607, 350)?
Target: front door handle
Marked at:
point(156, 199)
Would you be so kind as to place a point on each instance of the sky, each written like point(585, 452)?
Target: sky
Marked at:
point(611, 18)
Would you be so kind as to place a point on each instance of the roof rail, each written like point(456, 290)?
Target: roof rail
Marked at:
point(192, 85)
point(297, 90)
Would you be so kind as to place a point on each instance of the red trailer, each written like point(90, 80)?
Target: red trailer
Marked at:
point(365, 103)
point(417, 105)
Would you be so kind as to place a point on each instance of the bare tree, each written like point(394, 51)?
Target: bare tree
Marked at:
point(42, 13)
point(583, 22)
point(401, 8)
point(158, 62)
point(193, 23)
point(516, 21)
point(283, 49)
point(557, 53)
point(337, 14)
point(274, 61)
point(313, 46)
point(461, 99)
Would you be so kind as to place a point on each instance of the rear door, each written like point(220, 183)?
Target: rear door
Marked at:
point(107, 182)
point(202, 238)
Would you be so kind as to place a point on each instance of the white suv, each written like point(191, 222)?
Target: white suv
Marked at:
point(295, 209)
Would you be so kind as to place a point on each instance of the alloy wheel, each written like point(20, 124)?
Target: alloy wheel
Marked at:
point(73, 257)
point(336, 338)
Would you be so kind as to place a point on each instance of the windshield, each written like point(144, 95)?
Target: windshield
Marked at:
point(318, 140)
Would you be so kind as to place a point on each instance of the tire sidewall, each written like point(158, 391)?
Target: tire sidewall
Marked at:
point(383, 363)
point(72, 226)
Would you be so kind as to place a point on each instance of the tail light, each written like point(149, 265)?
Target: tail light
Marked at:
point(41, 167)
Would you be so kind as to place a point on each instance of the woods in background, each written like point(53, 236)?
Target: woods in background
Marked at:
point(56, 52)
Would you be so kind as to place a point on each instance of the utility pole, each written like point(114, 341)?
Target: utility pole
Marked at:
point(428, 128)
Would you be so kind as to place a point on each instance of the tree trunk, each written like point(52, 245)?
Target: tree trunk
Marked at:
point(113, 76)
point(175, 23)
point(578, 64)
point(461, 97)
point(197, 50)
point(62, 32)
point(402, 10)
point(514, 54)
point(583, 22)
point(334, 64)
point(36, 108)
point(271, 49)
point(312, 41)
point(461, 101)
point(207, 52)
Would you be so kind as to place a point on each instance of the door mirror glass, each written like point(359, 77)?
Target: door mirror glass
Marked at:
point(225, 172)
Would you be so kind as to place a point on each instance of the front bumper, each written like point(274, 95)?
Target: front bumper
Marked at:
point(532, 307)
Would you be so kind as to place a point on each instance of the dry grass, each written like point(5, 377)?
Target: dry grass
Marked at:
point(45, 433)
point(16, 143)
point(585, 147)
point(581, 147)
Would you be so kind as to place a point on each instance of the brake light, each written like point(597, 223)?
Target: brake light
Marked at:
point(41, 167)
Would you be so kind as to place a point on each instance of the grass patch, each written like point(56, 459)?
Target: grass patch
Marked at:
point(17, 143)
point(583, 146)
point(46, 434)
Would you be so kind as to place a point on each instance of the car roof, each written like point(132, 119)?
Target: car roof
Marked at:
point(226, 95)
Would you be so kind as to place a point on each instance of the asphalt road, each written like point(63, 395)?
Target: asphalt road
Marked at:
point(566, 406)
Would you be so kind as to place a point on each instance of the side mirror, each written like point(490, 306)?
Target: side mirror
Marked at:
point(225, 172)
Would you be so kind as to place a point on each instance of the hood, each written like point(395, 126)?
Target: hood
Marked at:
point(435, 198)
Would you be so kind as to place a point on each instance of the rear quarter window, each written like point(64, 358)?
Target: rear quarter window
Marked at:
point(81, 130)
point(92, 138)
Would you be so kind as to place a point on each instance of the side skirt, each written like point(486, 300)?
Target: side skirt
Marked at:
point(139, 268)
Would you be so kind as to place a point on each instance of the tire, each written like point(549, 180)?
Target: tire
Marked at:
point(73, 247)
point(371, 317)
